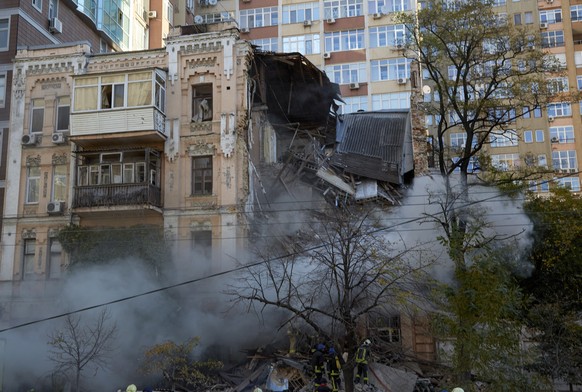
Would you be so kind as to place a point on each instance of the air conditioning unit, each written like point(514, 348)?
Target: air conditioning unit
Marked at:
point(58, 138)
point(327, 55)
point(55, 207)
point(55, 25)
point(543, 25)
point(306, 23)
point(399, 46)
point(401, 80)
point(555, 140)
point(550, 1)
point(573, 170)
point(354, 86)
point(152, 14)
point(330, 21)
point(377, 15)
point(30, 139)
point(245, 30)
point(550, 119)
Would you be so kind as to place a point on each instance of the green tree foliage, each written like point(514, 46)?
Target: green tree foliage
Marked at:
point(557, 233)
point(175, 363)
point(90, 245)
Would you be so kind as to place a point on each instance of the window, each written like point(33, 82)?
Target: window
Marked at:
point(347, 73)
point(344, 40)
point(201, 242)
point(32, 184)
point(540, 136)
point(4, 33)
point(2, 90)
point(563, 134)
point(304, 44)
point(551, 16)
point(391, 101)
point(458, 139)
point(37, 115)
point(528, 136)
point(559, 109)
point(342, 8)
point(29, 246)
point(388, 6)
point(564, 160)
point(526, 112)
point(55, 258)
point(299, 13)
point(202, 103)
point(505, 162)
point(558, 85)
point(128, 167)
point(571, 183)
point(37, 4)
point(259, 17)
point(390, 69)
point(169, 12)
point(118, 91)
point(544, 186)
point(517, 19)
point(53, 10)
point(59, 188)
point(576, 12)
point(267, 44)
point(506, 138)
point(551, 39)
point(528, 16)
point(354, 104)
point(63, 111)
point(217, 17)
point(383, 36)
point(202, 175)
point(542, 160)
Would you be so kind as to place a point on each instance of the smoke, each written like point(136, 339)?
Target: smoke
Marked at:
point(195, 309)
point(415, 224)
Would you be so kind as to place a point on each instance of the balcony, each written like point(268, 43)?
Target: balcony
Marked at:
point(116, 195)
point(126, 106)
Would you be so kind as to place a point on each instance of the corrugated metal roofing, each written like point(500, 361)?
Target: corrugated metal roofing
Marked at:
point(377, 134)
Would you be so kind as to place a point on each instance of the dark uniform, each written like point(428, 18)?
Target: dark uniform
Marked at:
point(318, 362)
point(362, 356)
point(335, 363)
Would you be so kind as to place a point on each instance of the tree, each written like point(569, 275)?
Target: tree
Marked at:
point(486, 74)
point(554, 285)
point(335, 275)
point(177, 366)
point(77, 346)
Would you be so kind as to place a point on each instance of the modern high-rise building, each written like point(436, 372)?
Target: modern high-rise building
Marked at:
point(359, 46)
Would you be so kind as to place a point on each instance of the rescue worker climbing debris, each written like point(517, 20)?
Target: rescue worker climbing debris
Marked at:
point(362, 357)
point(335, 363)
point(318, 363)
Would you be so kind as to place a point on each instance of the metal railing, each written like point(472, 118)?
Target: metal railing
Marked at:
point(116, 195)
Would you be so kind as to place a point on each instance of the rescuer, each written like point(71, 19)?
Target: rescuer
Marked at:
point(362, 356)
point(335, 363)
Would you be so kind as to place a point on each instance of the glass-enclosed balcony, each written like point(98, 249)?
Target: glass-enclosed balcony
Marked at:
point(110, 178)
point(124, 105)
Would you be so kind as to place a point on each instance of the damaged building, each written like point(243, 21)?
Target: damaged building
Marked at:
point(190, 139)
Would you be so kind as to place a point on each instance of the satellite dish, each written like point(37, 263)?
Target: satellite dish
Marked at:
point(212, 2)
point(198, 19)
point(426, 89)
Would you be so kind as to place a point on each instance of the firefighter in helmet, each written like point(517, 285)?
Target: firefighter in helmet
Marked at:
point(362, 357)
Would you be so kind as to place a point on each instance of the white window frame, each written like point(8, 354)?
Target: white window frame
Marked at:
point(559, 109)
point(564, 160)
point(390, 69)
point(338, 41)
point(505, 138)
point(59, 180)
point(354, 104)
point(505, 162)
point(571, 183)
point(564, 133)
point(304, 44)
point(398, 100)
point(528, 136)
point(3, 78)
point(4, 46)
point(32, 184)
point(551, 16)
point(347, 73)
point(267, 44)
point(384, 36)
point(170, 12)
point(37, 4)
point(53, 9)
point(259, 17)
point(299, 13)
point(389, 6)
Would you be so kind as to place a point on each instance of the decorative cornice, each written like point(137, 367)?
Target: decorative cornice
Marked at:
point(59, 159)
point(201, 149)
point(127, 62)
point(33, 160)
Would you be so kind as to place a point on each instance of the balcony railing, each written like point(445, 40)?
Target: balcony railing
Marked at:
point(116, 195)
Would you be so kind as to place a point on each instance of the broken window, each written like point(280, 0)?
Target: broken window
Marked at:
point(202, 175)
point(387, 329)
point(202, 103)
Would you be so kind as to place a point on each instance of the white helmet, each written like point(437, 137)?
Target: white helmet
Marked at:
point(367, 343)
point(458, 390)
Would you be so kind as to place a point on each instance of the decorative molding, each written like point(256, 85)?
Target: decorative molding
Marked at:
point(201, 149)
point(18, 82)
point(28, 234)
point(201, 127)
point(59, 159)
point(227, 133)
point(125, 62)
point(200, 226)
point(32, 160)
